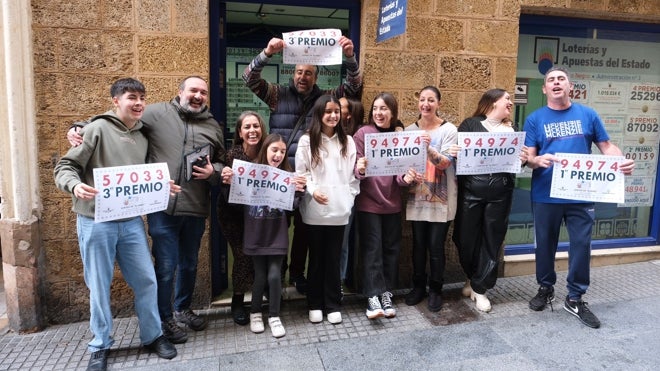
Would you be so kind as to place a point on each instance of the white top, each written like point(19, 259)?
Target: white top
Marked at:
point(332, 176)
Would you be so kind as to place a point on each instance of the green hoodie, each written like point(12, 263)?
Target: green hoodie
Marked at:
point(106, 142)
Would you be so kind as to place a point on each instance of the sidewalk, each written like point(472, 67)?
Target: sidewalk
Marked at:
point(511, 337)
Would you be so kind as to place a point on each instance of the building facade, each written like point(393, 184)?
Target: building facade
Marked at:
point(60, 56)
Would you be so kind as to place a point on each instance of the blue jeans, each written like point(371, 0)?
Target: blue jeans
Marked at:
point(579, 220)
point(175, 248)
point(126, 242)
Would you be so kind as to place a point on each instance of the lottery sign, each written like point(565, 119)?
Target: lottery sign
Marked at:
point(590, 178)
point(261, 185)
point(485, 152)
point(644, 99)
point(645, 157)
point(639, 191)
point(320, 47)
point(128, 191)
point(394, 153)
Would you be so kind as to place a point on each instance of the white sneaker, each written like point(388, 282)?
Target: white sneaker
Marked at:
point(276, 327)
point(315, 316)
point(467, 289)
point(481, 302)
point(256, 323)
point(386, 303)
point(334, 317)
point(374, 309)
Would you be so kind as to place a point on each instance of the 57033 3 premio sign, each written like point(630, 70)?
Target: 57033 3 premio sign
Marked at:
point(128, 191)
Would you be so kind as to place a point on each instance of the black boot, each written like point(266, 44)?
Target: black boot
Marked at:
point(417, 294)
point(238, 310)
point(435, 296)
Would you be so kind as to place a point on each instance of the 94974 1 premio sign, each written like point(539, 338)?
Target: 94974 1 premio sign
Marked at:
point(485, 152)
point(590, 178)
point(128, 191)
point(393, 153)
point(261, 185)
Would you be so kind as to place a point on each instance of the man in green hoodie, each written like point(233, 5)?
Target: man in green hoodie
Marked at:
point(178, 131)
point(113, 139)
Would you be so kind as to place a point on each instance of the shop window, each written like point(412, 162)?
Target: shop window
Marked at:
point(615, 68)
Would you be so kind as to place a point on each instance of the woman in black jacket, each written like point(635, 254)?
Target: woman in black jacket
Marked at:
point(484, 203)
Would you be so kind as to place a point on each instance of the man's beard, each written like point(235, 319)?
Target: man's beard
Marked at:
point(186, 106)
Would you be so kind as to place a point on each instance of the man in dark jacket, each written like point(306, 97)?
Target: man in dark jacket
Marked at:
point(287, 104)
point(180, 132)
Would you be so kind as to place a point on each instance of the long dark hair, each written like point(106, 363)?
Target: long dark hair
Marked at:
point(487, 100)
point(315, 141)
point(239, 124)
point(356, 110)
point(391, 103)
point(262, 157)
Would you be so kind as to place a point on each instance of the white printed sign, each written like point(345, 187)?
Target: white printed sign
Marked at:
point(486, 152)
point(128, 191)
point(639, 191)
point(320, 47)
point(590, 178)
point(644, 99)
point(261, 185)
point(394, 153)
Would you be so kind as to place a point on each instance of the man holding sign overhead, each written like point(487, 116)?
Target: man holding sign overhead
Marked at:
point(290, 109)
point(563, 126)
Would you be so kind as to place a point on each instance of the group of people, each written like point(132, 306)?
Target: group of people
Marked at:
point(319, 135)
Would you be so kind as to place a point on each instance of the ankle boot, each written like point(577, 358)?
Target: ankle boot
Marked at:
point(435, 296)
point(238, 312)
point(417, 294)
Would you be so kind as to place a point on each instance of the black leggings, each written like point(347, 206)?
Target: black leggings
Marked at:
point(429, 237)
point(267, 268)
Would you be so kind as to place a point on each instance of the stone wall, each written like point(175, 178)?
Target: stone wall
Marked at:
point(464, 48)
point(81, 46)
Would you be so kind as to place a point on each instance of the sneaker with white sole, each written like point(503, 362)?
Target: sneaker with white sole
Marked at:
point(580, 309)
point(374, 309)
point(544, 296)
point(256, 323)
point(334, 317)
point(315, 316)
point(386, 303)
point(481, 302)
point(467, 289)
point(276, 327)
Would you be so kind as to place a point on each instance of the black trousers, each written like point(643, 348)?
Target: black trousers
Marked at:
point(323, 275)
point(429, 236)
point(482, 218)
point(380, 243)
